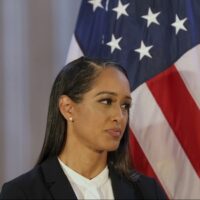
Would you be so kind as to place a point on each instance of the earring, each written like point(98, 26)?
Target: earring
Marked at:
point(70, 119)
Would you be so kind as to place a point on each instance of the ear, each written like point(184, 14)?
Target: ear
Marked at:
point(66, 107)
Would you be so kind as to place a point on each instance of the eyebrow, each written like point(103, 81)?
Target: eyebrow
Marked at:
point(111, 93)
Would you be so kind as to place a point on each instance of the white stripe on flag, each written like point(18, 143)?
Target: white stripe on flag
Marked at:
point(161, 147)
point(74, 51)
point(189, 69)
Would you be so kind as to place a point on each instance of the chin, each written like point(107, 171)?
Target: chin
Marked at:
point(107, 145)
point(112, 147)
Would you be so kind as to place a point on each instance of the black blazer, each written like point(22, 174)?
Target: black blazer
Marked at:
point(48, 181)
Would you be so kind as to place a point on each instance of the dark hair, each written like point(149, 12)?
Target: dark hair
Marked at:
point(74, 80)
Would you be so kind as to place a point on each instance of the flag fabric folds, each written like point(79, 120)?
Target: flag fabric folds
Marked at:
point(158, 43)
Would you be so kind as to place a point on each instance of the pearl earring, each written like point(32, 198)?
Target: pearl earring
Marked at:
point(70, 119)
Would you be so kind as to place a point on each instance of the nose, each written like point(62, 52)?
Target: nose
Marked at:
point(118, 114)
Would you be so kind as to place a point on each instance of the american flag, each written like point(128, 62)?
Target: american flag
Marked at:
point(158, 42)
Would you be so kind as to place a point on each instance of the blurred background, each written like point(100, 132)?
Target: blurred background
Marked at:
point(34, 40)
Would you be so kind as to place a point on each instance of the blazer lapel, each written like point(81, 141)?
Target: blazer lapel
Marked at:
point(122, 188)
point(56, 181)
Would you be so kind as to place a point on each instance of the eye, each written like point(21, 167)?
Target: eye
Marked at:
point(106, 101)
point(126, 106)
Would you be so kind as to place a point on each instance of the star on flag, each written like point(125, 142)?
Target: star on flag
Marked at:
point(144, 50)
point(96, 4)
point(179, 24)
point(121, 9)
point(151, 17)
point(114, 43)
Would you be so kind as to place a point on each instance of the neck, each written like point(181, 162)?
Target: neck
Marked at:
point(87, 162)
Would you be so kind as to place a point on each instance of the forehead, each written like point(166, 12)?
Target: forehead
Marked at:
point(113, 80)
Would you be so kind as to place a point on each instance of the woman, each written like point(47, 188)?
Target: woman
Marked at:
point(85, 152)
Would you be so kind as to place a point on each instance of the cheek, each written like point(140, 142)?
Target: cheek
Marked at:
point(91, 117)
point(90, 124)
point(96, 117)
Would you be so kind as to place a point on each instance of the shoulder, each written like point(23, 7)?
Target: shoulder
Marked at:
point(148, 187)
point(135, 186)
point(23, 186)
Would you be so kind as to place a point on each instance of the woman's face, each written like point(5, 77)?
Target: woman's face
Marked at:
point(99, 121)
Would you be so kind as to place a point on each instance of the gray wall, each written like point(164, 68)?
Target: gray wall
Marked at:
point(34, 40)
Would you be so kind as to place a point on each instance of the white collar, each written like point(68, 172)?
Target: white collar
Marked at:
point(75, 177)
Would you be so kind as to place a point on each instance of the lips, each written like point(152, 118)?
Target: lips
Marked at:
point(114, 132)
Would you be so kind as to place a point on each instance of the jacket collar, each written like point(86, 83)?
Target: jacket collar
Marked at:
point(122, 188)
point(57, 182)
point(60, 187)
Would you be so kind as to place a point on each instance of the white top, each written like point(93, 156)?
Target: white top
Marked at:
point(97, 188)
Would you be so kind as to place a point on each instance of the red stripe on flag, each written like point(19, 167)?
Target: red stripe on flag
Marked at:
point(140, 162)
point(180, 110)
